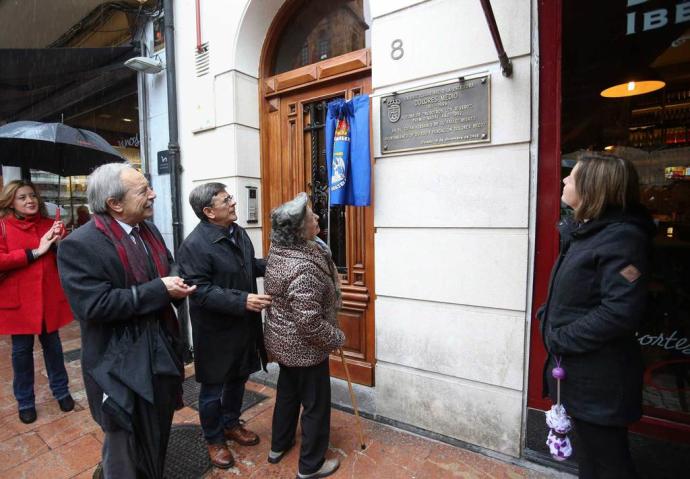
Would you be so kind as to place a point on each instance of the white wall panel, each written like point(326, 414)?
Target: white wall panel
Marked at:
point(471, 267)
point(247, 151)
point(445, 35)
point(483, 346)
point(475, 187)
point(484, 415)
point(384, 7)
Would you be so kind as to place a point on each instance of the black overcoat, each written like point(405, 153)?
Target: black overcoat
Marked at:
point(94, 281)
point(228, 339)
point(596, 301)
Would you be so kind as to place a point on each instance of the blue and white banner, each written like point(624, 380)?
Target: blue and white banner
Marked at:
point(347, 151)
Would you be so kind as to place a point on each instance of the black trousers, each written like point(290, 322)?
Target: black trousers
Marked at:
point(603, 452)
point(311, 388)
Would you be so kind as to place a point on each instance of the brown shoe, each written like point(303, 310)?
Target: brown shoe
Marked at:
point(220, 456)
point(241, 436)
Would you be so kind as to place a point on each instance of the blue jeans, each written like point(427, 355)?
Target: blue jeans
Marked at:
point(220, 407)
point(23, 366)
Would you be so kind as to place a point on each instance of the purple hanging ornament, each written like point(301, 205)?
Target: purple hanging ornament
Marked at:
point(558, 421)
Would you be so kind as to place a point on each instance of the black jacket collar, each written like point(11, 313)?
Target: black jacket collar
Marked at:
point(636, 215)
point(215, 233)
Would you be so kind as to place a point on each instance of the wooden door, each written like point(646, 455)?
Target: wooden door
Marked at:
point(293, 160)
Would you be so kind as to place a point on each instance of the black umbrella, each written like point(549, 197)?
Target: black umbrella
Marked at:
point(54, 147)
point(141, 377)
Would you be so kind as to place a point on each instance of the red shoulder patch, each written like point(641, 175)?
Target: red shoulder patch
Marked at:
point(630, 273)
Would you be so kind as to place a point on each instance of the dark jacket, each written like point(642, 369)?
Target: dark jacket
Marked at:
point(228, 339)
point(596, 301)
point(94, 281)
point(301, 323)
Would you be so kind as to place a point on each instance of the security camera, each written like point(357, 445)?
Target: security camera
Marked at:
point(145, 65)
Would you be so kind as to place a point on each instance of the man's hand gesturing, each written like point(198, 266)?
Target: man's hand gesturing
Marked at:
point(176, 287)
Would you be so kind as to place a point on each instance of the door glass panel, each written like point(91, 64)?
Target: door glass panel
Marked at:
point(321, 30)
point(652, 131)
point(331, 221)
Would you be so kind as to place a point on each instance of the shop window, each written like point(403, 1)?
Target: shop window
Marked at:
point(618, 43)
point(320, 30)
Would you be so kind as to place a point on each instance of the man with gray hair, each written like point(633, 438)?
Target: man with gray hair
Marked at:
point(218, 258)
point(118, 277)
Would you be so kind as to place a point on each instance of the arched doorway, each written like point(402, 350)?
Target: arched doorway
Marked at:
point(315, 52)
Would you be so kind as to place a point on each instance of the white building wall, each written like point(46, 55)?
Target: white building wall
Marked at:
point(219, 112)
point(452, 230)
point(452, 240)
point(153, 113)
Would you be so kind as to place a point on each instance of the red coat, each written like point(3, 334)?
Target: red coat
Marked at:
point(30, 294)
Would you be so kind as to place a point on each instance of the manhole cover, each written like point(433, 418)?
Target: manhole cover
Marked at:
point(190, 395)
point(187, 457)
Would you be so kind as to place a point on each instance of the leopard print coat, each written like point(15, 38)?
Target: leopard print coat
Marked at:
point(301, 326)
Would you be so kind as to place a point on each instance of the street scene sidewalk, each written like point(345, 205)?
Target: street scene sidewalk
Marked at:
point(68, 445)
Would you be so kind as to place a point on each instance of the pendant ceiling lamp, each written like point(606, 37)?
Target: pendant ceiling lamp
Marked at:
point(633, 84)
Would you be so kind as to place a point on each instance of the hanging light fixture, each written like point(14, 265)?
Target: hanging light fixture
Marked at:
point(635, 83)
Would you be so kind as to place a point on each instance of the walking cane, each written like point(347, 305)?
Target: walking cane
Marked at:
point(354, 401)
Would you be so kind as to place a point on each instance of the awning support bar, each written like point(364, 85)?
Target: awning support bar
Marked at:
point(506, 65)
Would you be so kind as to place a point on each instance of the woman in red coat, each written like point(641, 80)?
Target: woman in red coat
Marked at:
point(31, 298)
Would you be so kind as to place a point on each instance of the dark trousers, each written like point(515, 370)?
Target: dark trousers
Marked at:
point(310, 387)
point(23, 366)
point(220, 406)
point(118, 455)
point(603, 452)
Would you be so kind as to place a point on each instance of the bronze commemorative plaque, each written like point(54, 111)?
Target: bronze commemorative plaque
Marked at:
point(444, 115)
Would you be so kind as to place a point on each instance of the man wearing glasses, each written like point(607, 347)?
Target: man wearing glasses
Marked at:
point(218, 257)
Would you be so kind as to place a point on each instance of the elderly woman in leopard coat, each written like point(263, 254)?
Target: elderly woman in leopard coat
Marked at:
point(301, 330)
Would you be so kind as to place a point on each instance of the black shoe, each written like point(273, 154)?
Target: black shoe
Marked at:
point(28, 415)
point(66, 403)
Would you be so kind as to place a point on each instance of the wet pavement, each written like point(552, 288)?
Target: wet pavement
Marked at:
point(68, 445)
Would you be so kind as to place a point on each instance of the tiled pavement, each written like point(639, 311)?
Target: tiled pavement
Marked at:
point(68, 445)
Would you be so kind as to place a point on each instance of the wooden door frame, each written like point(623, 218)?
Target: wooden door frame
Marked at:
point(324, 74)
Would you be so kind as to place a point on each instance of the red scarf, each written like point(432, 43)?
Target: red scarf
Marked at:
point(135, 271)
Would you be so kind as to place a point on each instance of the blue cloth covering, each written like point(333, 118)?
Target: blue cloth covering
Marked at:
point(348, 156)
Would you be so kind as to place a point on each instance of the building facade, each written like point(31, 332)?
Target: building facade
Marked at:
point(443, 272)
point(437, 270)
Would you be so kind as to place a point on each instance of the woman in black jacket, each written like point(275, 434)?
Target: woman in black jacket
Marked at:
point(596, 300)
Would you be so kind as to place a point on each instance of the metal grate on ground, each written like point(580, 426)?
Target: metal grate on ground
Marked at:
point(190, 395)
point(187, 456)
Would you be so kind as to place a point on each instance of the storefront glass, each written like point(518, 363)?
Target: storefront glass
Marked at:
point(118, 123)
point(625, 43)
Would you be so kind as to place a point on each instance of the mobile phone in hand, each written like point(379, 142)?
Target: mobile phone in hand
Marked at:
point(57, 218)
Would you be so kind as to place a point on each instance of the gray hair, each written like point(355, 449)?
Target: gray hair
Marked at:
point(105, 182)
point(287, 221)
point(202, 196)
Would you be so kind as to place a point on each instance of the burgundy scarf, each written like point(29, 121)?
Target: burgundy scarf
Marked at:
point(136, 272)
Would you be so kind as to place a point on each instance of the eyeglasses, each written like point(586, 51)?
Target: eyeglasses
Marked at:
point(225, 201)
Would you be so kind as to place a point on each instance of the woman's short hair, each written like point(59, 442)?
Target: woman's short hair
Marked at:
point(10, 190)
point(202, 196)
point(105, 182)
point(287, 221)
point(604, 181)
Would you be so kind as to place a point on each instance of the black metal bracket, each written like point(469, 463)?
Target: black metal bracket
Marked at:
point(506, 65)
